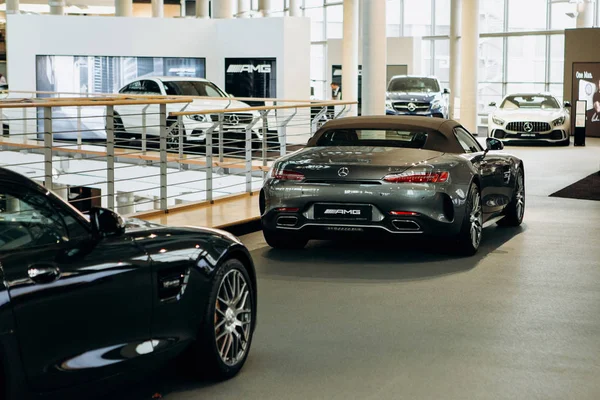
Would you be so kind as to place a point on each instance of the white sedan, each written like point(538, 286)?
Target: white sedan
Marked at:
point(530, 117)
point(130, 121)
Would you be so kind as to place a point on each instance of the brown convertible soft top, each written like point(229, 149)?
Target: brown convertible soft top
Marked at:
point(446, 142)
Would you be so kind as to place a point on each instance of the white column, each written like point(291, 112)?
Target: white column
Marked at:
point(12, 6)
point(57, 7)
point(182, 10)
point(350, 53)
point(123, 8)
point(294, 8)
point(585, 14)
point(158, 8)
point(244, 8)
point(469, 64)
point(374, 57)
point(222, 8)
point(264, 7)
point(454, 54)
point(202, 9)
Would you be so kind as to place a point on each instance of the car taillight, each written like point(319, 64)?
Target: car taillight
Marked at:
point(421, 177)
point(286, 175)
point(404, 213)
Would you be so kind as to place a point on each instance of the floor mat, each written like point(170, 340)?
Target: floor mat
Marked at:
point(586, 189)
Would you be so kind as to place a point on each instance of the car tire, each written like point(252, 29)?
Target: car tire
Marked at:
point(283, 240)
point(471, 231)
point(228, 324)
point(515, 210)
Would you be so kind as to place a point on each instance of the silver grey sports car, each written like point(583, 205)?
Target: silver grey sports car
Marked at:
point(392, 176)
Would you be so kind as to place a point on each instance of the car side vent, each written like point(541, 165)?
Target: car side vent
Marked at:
point(172, 283)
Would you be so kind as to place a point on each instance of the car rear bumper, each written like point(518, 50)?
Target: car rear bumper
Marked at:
point(426, 210)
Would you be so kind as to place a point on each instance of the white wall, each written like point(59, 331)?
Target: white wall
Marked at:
point(286, 39)
point(400, 51)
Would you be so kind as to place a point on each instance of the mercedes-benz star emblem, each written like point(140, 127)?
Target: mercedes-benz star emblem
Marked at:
point(343, 172)
point(411, 107)
point(233, 119)
point(528, 127)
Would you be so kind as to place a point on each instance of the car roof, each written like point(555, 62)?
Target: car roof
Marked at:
point(7, 175)
point(393, 121)
point(414, 76)
point(401, 122)
point(175, 78)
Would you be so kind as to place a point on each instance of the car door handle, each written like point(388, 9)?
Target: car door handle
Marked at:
point(43, 273)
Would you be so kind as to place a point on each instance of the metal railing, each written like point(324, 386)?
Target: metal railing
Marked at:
point(142, 153)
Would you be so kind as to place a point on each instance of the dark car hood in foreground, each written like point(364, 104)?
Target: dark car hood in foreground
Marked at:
point(362, 162)
point(135, 225)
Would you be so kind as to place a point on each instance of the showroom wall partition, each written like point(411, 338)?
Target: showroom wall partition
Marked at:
point(521, 42)
point(127, 47)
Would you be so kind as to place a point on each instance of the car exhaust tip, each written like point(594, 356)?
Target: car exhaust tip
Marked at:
point(405, 225)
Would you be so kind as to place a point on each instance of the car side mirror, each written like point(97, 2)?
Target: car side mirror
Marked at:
point(567, 104)
point(106, 223)
point(493, 144)
point(446, 91)
point(492, 104)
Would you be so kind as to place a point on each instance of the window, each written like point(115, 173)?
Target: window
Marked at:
point(491, 16)
point(526, 59)
point(192, 88)
point(374, 137)
point(560, 17)
point(151, 87)
point(417, 18)
point(530, 101)
point(442, 17)
point(28, 220)
point(335, 24)
point(467, 142)
point(414, 84)
point(527, 15)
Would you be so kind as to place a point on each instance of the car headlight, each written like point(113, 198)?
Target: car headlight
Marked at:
point(197, 117)
point(436, 105)
point(389, 105)
point(497, 120)
point(558, 121)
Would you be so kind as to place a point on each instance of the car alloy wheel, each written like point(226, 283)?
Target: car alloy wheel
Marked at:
point(233, 318)
point(476, 218)
point(520, 197)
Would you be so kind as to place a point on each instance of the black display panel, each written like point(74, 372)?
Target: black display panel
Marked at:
point(586, 87)
point(251, 77)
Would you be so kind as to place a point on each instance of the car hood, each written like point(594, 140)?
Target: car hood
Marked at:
point(136, 225)
point(362, 162)
point(417, 96)
point(529, 115)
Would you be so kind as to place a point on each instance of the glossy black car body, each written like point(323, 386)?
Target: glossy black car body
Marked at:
point(105, 297)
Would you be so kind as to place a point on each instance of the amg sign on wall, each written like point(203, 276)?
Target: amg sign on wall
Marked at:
point(251, 77)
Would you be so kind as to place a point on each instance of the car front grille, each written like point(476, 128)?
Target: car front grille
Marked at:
point(402, 106)
point(531, 126)
point(233, 119)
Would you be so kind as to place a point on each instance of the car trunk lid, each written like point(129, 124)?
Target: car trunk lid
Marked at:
point(357, 164)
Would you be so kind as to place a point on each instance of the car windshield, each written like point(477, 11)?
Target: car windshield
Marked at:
point(413, 84)
point(193, 88)
point(530, 101)
point(374, 137)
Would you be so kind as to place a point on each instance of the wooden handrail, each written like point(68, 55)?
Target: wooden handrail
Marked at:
point(263, 108)
point(89, 102)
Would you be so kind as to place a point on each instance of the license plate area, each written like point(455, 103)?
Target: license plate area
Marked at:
point(528, 135)
point(344, 212)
